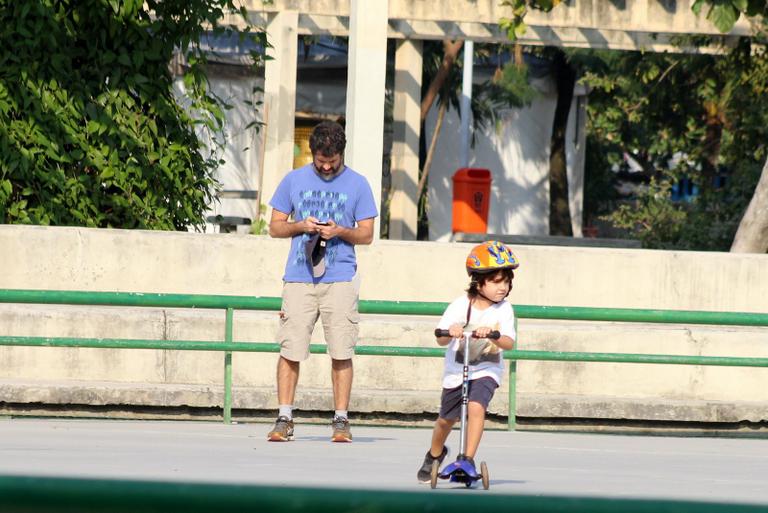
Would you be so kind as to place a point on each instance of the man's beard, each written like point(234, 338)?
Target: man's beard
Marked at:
point(327, 176)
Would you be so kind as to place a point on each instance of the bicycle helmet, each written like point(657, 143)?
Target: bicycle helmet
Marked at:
point(490, 256)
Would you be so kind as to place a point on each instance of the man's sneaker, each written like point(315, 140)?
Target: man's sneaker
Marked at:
point(341, 432)
point(283, 430)
point(425, 472)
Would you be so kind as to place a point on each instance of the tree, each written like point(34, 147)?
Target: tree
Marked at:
point(679, 118)
point(565, 79)
point(559, 206)
point(91, 133)
point(752, 233)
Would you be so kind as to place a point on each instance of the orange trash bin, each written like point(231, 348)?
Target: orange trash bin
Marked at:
point(471, 196)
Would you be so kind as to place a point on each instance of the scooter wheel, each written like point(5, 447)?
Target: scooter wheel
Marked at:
point(433, 474)
point(484, 475)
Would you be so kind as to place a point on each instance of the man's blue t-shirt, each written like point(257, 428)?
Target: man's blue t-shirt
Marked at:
point(345, 199)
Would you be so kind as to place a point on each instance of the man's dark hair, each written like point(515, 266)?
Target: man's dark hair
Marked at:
point(328, 139)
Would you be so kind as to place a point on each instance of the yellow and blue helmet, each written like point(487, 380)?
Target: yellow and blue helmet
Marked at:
point(490, 256)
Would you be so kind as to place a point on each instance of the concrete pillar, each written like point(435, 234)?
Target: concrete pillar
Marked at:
point(365, 92)
point(279, 102)
point(403, 209)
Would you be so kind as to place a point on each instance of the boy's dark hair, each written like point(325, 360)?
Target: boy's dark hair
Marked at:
point(479, 279)
point(328, 139)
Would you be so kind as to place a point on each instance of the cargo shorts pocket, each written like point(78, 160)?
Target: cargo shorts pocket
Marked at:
point(342, 335)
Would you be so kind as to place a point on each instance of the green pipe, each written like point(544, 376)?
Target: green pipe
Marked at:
point(573, 313)
point(69, 297)
point(726, 361)
point(380, 307)
point(271, 347)
point(54, 495)
point(374, 306)
point(113, 343)
point(228, 329)
point(399, 351)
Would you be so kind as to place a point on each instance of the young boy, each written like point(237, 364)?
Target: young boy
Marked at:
point(483, 309)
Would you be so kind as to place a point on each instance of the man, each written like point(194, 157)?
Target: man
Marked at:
point(333, 210)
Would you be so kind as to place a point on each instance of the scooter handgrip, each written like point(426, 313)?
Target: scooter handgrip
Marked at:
point(442, 333)
point(495, 335)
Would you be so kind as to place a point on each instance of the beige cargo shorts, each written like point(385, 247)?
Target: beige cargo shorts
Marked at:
point(334, 303)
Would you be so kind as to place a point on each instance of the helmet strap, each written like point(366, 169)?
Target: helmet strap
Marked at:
point(469, 312)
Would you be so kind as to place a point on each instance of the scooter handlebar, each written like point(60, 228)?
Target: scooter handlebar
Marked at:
point(495, 335)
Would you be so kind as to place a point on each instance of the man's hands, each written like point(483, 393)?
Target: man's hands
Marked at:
point(281, 227)
point(327, 229)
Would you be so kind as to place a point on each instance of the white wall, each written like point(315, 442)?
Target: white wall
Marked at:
point(242, 146)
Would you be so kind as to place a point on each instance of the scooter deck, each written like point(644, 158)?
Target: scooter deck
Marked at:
point(460, 471)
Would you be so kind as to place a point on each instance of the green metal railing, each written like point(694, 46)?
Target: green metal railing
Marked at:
point(231, 303)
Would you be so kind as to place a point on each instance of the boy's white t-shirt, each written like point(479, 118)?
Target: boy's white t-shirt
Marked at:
point(486, 358)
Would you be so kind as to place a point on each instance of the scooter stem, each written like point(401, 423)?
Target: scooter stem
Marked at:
point(464, 395)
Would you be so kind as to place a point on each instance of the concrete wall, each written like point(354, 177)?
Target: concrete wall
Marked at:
point(117, 260)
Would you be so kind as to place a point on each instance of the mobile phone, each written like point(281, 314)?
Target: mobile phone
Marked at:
point(322, 223)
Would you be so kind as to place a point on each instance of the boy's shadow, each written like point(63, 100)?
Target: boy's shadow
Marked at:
point(478, 486)
point(507, 481)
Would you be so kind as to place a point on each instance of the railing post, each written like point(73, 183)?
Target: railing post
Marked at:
point(512, 409)
point(228, 368)
point(512, 398)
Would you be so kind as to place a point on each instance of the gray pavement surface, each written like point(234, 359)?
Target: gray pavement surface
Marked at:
point(531, 463)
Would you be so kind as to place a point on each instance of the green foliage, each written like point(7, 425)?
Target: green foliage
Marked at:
point(261, 226)
point(725, 13)
point(91, 133)
point(515, 85)
point(653, 218)
point(707, 223)
point(515, 26)
point(509, 88)
point(659, 109)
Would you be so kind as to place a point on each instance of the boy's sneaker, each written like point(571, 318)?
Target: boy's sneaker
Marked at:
point(424, 474)
point(341, 432)
point(470, 460)
point(283, 430)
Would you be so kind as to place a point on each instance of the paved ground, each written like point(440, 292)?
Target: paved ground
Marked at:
point(709, 469)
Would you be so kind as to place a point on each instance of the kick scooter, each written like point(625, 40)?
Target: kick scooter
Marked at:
point(461, 470)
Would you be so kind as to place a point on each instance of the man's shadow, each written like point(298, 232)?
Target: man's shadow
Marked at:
point(356, 440)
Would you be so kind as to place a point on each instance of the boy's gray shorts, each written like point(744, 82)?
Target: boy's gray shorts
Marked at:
point(334, 303)
point(480, 391)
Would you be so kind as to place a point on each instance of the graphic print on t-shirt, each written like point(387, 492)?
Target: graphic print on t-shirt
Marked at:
point(480, 350)
point(323, 205)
